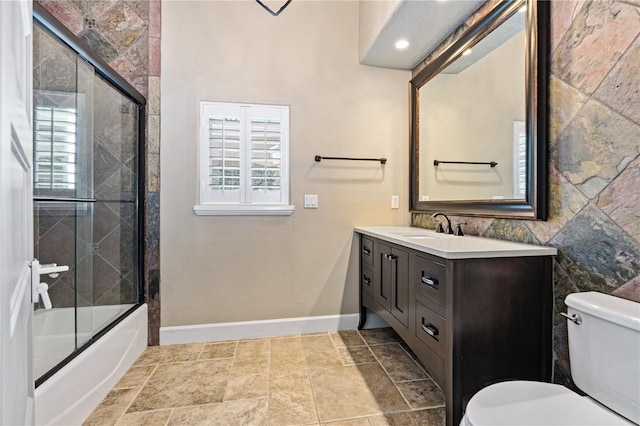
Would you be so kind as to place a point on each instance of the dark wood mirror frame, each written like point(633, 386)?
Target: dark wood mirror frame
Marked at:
point(534, 205)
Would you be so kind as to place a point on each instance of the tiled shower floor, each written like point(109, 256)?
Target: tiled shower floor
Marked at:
point(347, 378)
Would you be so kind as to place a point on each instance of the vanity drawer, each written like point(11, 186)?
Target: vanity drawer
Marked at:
point(366, 278)
point(430, 329)
point(367, 251)
point(429, 278)
point(367, 301)
point(432, 363)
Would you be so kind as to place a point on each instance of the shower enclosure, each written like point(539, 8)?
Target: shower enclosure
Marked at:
point(88, 131)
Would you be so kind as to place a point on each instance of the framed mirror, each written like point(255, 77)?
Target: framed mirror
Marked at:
point(479, 119)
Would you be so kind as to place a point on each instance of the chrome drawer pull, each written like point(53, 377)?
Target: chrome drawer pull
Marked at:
point(575, 318)
point(391, 257)
point(430, 329)
point(430, 281)
point(366, 251)
point(366, 280)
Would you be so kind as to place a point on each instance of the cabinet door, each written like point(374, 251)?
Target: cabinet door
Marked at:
point(400, 285)
point(382, 280)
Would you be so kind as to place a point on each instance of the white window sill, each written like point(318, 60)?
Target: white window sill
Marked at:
point(237, 210)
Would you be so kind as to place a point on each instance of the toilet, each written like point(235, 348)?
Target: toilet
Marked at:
point(604, 348)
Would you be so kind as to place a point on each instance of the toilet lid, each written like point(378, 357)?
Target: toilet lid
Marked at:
point(535, 403)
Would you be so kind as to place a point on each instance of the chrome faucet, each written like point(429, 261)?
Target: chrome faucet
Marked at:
point(440, 229)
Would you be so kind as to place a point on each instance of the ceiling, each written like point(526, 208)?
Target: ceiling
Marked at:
point(424, 23)
point(496, 38)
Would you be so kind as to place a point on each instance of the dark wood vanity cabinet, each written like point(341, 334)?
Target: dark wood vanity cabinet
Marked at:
point(391, 281)
point(471, 322)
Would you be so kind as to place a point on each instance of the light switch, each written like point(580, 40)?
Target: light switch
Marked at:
point(395, 201)
point(310, 201)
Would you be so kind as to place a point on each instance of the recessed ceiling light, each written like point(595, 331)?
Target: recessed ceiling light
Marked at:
point(402, 44)
point(467, 52)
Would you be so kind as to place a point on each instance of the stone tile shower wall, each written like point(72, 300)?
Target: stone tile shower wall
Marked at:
point(126, 34)
point(594, 134)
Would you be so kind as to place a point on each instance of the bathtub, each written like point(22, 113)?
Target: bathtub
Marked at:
point(72, 393)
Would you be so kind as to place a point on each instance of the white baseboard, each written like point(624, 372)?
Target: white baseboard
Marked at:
point(264, 328)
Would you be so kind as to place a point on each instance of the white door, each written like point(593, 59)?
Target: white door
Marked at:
point(16, 213)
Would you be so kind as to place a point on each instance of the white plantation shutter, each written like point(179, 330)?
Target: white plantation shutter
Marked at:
point(221, 156)
point(54, 138)
point(243, 157)
point(519, 159)
point(266, 133)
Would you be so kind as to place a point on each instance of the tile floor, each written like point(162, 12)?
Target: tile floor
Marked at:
point(355, 378)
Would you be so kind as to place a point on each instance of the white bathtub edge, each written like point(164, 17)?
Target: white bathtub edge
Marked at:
point(71, 394)
point(264, 328)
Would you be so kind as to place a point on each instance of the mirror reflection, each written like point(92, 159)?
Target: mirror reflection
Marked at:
point(472, 135)
point(479, 118)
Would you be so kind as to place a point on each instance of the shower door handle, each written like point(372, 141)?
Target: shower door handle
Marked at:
point(35, 281)
point(39, 289)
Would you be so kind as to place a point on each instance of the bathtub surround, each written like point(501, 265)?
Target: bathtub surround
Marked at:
point(227, 269)
point(126, 34)
point(70, 395)
point(595, 164)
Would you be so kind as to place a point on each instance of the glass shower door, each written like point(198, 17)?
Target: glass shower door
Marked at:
point(116, 263)
point(63, 203)
point(86, 173)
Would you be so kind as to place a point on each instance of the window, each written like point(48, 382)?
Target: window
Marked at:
point(519, 160)
point(55, 148)
point(244, 164)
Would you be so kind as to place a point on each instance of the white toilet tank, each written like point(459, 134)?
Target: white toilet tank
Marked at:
point(605, 350)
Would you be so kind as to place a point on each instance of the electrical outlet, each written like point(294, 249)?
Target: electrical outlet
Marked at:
point(310, 201)
point(395, 201)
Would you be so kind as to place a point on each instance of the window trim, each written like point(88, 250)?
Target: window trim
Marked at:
point(242, 208)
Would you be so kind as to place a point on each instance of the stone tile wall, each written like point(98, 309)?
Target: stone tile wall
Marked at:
point(126, 34)
point(594, 130)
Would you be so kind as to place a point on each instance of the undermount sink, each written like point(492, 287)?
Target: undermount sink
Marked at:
point(418, 235)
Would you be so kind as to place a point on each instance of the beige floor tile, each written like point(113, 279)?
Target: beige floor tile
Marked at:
point(135, 377)
point(422, 393)
point(356, 355)
point(397, 363)
point(298, 380)
point(354, 391)
point(379, 336)
point(170, 353)
point(145, 418)
point(363, 421)
point(432, 417)
point(291, 399)
point(246, 412)
point(247, 386)
point(219, 350)
point(303, 352)
point(252, 357)
point(182, 384)
point(346, 338)
point(112, 407)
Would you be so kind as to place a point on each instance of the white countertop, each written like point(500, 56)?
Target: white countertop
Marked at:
point(452, 246)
